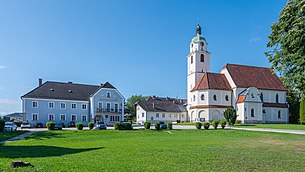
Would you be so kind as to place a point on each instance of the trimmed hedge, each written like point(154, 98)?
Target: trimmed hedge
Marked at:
point(79, 126)
point(147, 125)
point(90, 125)
point(206, 125)
point(223, 123)
point(157, 125)
point(50, 125)
point(198, 125)
point(2, 124)
point(122, 126)
point(170, 126)
point(215, 124)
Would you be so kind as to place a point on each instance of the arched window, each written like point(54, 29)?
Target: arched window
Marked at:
point(262, 97)
point(215, 97)
point(252, 113)
point(192, 45)
point(277, 98)
point(279, 114)
point(108, 94)
point(227, 98)
point(191, 59)
point(201, 43)
point(194, 97)
point(202, 97)
point(201, 58)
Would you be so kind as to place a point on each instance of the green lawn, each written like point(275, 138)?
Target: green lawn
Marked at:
point(4, 135)
point(274, 126)
point(183, 150)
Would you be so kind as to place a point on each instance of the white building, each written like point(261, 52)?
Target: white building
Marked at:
point(256, 93)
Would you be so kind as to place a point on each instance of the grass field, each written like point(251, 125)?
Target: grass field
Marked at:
point(183, 150)
point(9, 134)
point(274, 126)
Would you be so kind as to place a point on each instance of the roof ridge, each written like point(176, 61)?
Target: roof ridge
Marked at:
point(71, 83)
point(247, 65)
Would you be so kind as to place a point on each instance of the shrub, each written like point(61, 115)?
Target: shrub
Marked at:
point(198, 125)
point(170, 126)
point(302, 112)
point(117, 125)
point(2, 124)
point(178, 121)
point(206, 125)
point(71, 124)
point(230, 115)
point(90, 125)
point(125, 126)
point(238, 121)
point(157, 125)
point(50, 125)
point(147, 125)
point(215, 124)
point(79, 126)
point(223, 123)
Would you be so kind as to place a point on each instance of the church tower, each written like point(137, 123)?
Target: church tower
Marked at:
point(198, 62)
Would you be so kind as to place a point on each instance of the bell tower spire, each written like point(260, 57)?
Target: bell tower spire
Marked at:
point(198, 29)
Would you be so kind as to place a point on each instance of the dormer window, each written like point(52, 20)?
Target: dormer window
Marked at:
point(108, 95)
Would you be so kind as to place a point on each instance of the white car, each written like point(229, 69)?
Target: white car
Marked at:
point(10, 126)
point(25, 125)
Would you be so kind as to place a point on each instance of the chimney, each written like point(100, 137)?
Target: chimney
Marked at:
point(39, 82)
point(153, 106)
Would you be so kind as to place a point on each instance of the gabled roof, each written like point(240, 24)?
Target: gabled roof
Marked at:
point(159, 104)
point(107, 85)
point(15, 115)
point(252, 76)
point(212, 81)
point(63, 91)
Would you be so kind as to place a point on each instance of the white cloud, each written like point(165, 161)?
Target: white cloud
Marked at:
point(2, 67)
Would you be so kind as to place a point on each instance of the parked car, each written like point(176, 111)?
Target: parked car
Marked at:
point(58, 127)
point(100, 125)
point(163, 125)
point(38, 125)
point(25, 125)
point(71, 124)
point(10, 126)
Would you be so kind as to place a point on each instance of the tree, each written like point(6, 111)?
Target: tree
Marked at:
point(287, 41)
point(294, 106)
point(230, 115)
point(130, 104)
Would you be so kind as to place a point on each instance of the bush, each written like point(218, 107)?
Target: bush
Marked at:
point(122, 126)
point(117, 125)
point(302, 112)
point(147, 125)
point(215, 124)
point(198, 125)
point(230, 115)
point(170, 126)
point(206, 125)
point(157, 125)
point(90, 125)
point(178, 121)
point(223, 123)
point(50, 125)
point(79, 126)
point(71, 124)
point(238, 121)
point(2, 124)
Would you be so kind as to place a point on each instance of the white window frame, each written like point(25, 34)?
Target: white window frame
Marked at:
point(72, 105)
point(85, 106)
point(85, 117)
point(51, 103)
point(63, 104)
point(99, 104)
point(107, 106)
point(157, 115)
point(33, 104)
point(52, 115)
point(72, 117)
point(33, 116)
point(116, 110)
point(163, 115)
point(64, 116)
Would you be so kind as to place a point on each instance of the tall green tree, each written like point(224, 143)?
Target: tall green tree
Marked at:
point(230, 115)
point(287, 43)
point(130, 104)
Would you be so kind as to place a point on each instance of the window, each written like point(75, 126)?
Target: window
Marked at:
point(34, 116)
point(116, 107)
point(62, 105)
point(192, 45)
point(252, 95)
point(215, 97)
point(227, 98)
point(142, 115)
point(279, 114)
point(51, 105)
point(106, 116)
point(264, 111)
point(73, 117)
point(35, 104)
point(170, 115)
point(175, 115)
point(194, 97)
point(252, 113)
point(100, 105)
point(163, 115)
point(108, 94)
point(201, 58)
point(262, 97)
point(84, 106)
point(73, 105)
point(51, 117)
point(157, 115)
point(191, 59)
point(277, 98)
point(202, 97)
point(201, 43)
point(63, 117)
point(151, 118)
point(108, 107)
point(114, 118)
point(84, 117)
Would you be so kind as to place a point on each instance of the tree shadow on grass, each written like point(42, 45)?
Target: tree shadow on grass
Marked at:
point(39, 151)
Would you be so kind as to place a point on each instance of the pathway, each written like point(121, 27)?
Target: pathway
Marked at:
point(18, 137)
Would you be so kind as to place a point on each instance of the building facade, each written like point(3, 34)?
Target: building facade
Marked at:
point(65, 102)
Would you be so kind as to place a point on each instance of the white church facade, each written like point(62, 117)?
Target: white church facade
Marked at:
point(256, 93)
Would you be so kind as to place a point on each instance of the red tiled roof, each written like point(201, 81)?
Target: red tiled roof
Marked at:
point(212, 81)
point(252, 76)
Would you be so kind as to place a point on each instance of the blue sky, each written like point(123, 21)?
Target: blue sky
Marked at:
point(140, 46)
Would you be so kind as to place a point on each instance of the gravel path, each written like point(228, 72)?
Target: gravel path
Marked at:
point(19, 137)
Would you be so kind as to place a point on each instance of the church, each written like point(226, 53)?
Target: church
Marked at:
point(256, 93)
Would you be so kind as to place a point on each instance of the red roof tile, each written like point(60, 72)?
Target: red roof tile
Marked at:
point(251, 76)
point(212, 81)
